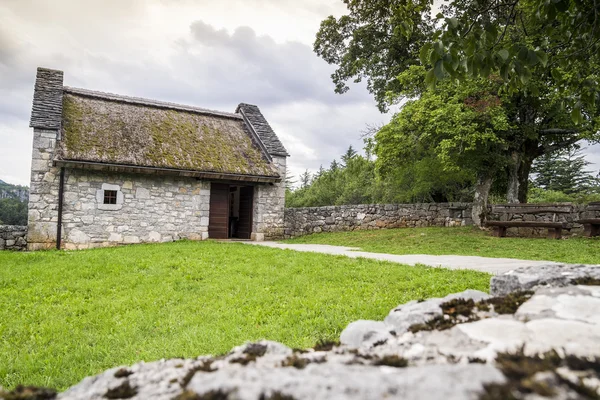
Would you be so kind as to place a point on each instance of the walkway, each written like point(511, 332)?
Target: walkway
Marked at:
point(483, 264)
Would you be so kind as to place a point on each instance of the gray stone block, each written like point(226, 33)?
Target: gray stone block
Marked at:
point(530, 278)
point(362, 332)
point(419, 312)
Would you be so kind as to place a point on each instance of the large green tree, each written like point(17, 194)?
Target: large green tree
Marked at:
point(465, 128)
point(536, 92)
point(546, 54)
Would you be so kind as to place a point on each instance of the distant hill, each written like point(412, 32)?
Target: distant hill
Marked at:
point(13, 204)
point(8, 191)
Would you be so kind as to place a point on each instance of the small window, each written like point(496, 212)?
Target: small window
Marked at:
point(110, 197)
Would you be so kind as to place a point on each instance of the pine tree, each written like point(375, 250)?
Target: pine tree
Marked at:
point(290, 182)
point(349, 155)
point(334, 166)
point(564, 171)
point(305, 179)
point(320, 173)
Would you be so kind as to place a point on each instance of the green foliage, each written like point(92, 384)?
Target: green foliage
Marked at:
point(375, 41)
point(68, 315)
point(504, 44)
point(539, 195)
point(13, 204)
point(349, 183)
point(557, 40)
point(356, 181)
point(422, 181)
point(464, 241)
point(462, 132)
point(13, 212)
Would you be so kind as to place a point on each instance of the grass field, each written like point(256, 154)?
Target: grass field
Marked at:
point(466, 241)
point(67, 315)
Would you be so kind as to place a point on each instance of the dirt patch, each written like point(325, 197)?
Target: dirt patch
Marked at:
point(544, 375)
point(326, 345)
point(460, 311)
point(29, 393)
point(391, 361)
point(123, 391)
point(588, 281)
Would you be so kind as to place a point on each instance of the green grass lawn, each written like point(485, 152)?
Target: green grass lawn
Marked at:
point(67, 315)
point(466, 241)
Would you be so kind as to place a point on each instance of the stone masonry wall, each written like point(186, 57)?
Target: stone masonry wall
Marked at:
point(149, 209)
point(43, 192)
point(12, 237)
point(269, 205)
point(302, 221)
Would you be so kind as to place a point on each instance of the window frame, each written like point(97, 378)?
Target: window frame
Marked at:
point(110, 196)
point(101, 197)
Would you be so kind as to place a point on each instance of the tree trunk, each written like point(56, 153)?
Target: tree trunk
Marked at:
point(480, 202)
point(524, 178)
point(519, 169)
point(512, 193)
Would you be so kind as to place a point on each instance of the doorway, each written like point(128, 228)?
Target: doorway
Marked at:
point(231, 209)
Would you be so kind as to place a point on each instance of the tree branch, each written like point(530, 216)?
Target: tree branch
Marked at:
point(558, 146)
point(558, 131)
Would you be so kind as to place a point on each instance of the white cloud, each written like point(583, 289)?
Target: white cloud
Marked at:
point(212, 54)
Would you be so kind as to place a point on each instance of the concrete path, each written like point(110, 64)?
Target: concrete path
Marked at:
point(483, 264)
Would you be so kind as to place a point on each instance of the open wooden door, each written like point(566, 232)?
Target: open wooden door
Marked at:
point(218, 222)
point(246, 207)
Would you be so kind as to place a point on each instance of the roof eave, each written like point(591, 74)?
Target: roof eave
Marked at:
point(97, 166)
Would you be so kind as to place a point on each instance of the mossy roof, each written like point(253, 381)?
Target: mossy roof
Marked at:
point(105, 128)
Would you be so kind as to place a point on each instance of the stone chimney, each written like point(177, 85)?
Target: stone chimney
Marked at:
point(46, 117)
point(47, 99)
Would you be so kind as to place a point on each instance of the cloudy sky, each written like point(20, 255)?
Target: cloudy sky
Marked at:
point(208, 53)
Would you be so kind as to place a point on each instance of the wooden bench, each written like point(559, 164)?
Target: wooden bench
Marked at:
point(554, 228)
point(591, 226)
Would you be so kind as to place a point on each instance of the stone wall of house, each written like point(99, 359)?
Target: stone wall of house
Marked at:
point(149, 209)
point(302, 221)
point(13, 237)
point(43, 191)
point(269, 205)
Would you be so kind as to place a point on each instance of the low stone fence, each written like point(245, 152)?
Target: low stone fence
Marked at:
point(13, 237)
point(303, 221)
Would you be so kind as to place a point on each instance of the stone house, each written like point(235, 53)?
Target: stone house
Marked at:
point(110, 169)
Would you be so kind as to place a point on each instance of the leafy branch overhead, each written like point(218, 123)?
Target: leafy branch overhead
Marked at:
point(555, 40)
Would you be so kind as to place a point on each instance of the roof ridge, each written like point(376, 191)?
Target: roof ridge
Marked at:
point(148, 102)
point(263, 129)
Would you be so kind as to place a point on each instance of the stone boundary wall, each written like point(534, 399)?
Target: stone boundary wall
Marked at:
point(13, 237)
point(306, 220)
